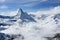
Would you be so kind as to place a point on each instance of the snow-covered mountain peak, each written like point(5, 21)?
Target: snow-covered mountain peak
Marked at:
point(44, 25)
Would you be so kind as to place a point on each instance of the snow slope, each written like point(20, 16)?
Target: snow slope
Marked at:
point(43, 26)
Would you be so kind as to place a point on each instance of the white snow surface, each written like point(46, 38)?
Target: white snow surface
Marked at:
point(35, 30)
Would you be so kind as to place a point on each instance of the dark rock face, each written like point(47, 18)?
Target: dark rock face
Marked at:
point(9, 37)
point(2, 28)
point(4, 24)
point(25, 17)
point(2, 36)
point(6, 17)
point(43, 16)
point(11, 19)
point(57, 18)
point(56, 37)
point(21, 15)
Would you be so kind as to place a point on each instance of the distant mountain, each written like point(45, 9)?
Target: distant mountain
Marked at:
point(56, 18)
point(6, 17)
point(24, 26)
point(9, 20)
point(9, 37)
point(25, 17)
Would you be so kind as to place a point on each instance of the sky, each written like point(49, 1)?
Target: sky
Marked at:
point(11, 6)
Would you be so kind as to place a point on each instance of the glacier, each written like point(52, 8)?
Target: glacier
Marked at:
point(24, 26)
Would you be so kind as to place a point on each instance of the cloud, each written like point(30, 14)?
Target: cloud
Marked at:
point(2, 0)
point(23, 1)
point(29, 3)
point(26, 3)
point(36, 30)
point(51, 11)
point(53, 1)
point(9, 13)
point(44, 28)
point(3, 7)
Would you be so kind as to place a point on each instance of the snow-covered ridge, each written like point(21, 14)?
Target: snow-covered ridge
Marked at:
point(31, 27)
point(9, 20)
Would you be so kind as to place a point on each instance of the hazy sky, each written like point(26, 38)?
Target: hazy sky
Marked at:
point(28, 5)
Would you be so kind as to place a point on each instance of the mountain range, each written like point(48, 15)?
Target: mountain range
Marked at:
point(24, 26)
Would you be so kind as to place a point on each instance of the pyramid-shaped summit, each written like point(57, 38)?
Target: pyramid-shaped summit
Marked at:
point(11, 19)
point(24, 16)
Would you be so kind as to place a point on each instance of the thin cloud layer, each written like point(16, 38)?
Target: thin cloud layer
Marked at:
point(51, 11)
point(3, 7)
point(29, 4)
point(2, 1)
